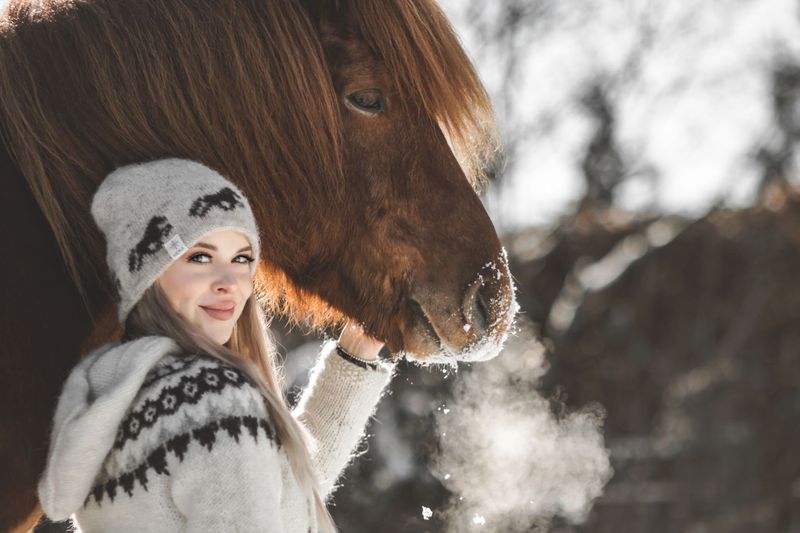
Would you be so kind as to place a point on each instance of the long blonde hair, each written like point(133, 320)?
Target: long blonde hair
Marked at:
point(249, 349)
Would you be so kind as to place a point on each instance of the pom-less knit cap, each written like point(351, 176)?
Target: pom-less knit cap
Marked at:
point(152, 212)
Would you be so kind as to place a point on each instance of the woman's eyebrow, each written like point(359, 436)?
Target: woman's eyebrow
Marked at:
point(212, 247)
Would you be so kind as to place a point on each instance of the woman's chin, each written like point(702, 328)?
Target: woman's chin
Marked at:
point(222, 339)
point(219, 336)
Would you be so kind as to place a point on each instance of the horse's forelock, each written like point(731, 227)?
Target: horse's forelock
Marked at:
point(430, 68)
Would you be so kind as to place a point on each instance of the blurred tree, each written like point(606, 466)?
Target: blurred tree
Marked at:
point(776, 158)
point(602, 165)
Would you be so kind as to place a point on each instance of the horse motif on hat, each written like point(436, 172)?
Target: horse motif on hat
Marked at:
point(155, 234)
point(226, 199)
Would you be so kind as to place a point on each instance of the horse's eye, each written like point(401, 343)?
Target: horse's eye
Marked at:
point(368, 101)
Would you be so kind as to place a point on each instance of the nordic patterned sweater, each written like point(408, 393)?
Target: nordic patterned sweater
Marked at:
point(147, 439)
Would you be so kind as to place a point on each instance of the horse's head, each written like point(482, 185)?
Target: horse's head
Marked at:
point(354, 127)
point(420, 262)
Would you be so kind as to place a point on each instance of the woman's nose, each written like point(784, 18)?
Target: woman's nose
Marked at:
point(225, 278)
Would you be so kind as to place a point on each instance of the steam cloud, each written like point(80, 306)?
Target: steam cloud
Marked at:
point(510, 461)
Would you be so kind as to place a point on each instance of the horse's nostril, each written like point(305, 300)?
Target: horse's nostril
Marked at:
point(481, 316)
point(483, 305)
point(476, 310)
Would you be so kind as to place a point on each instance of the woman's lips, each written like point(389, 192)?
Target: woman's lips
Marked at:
point(219, 314)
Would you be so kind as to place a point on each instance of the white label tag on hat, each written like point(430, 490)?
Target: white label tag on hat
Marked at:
point(175, 247)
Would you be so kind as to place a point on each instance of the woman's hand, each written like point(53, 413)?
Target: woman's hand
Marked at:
point(354, 341)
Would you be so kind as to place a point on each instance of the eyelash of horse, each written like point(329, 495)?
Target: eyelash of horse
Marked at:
point(198, 254)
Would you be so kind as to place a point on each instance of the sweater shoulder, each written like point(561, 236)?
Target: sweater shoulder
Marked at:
point(187, 395)
point(183, 392)
point(184, 399)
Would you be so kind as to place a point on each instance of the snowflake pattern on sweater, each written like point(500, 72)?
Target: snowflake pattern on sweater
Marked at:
point(197, 376)
point(191, 387)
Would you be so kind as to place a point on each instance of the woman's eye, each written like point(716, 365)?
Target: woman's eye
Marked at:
point(368, 102)
point(247, 258)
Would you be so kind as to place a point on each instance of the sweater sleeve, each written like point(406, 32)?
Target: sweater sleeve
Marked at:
point(335, 408)
point(238, 486)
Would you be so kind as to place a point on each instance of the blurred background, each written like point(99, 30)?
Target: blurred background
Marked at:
point(648, 200)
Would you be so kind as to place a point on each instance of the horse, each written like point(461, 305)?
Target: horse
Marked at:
point(359, 129)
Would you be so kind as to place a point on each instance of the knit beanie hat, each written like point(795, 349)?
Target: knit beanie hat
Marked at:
point(152, 212)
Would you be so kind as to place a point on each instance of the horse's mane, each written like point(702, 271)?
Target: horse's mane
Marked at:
point(240, 85)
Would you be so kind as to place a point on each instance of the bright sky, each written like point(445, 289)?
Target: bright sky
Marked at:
point(693, 113)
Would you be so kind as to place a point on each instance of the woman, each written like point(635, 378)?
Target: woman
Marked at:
point(182, 425)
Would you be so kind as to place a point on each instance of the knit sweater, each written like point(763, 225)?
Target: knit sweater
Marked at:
point(146, 438)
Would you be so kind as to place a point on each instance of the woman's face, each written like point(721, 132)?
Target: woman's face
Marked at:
point(209, 284)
